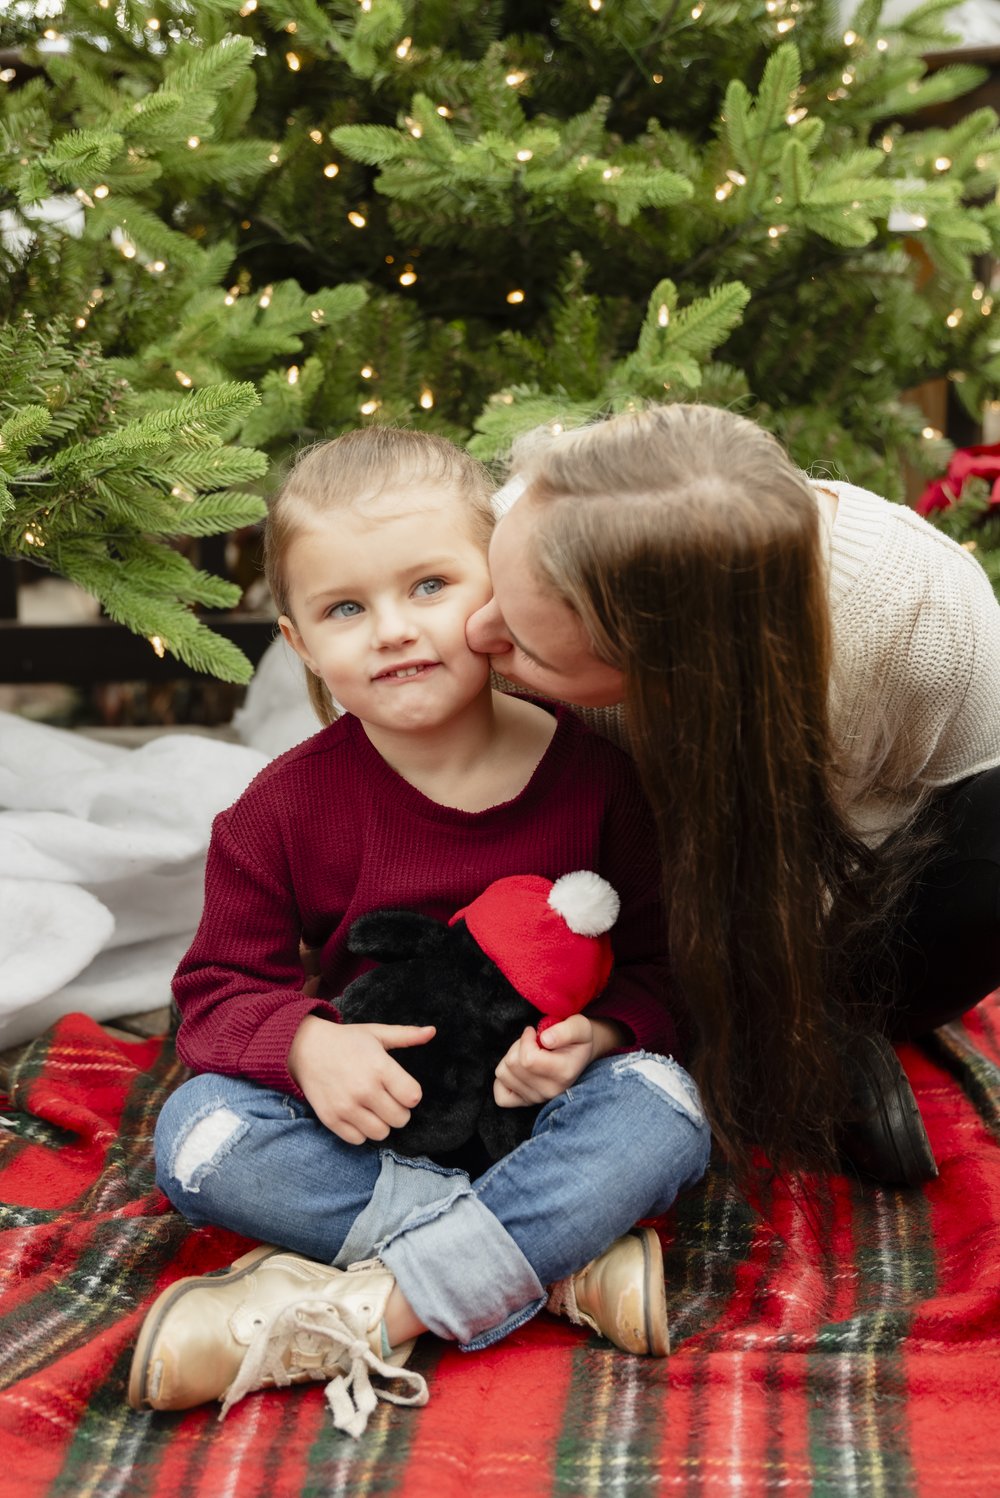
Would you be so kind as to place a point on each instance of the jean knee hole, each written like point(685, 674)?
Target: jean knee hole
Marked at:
point(665, 1077)
point(206, 1142)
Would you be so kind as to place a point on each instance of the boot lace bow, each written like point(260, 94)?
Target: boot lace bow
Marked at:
point(310, 1338)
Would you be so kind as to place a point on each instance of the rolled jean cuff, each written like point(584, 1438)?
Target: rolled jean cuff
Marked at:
point(404, 1187)
point(497, 1290)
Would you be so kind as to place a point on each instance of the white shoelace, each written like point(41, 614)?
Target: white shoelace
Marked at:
point(318, 1329)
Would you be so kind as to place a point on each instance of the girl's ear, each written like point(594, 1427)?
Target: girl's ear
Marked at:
point(294, 639)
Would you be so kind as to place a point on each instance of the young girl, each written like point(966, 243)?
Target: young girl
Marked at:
point(811, 680)
point(428, 787)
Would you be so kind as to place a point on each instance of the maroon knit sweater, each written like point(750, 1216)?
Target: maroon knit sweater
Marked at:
point(329, 831)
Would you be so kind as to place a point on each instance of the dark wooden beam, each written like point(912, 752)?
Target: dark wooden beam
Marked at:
point(81, 654)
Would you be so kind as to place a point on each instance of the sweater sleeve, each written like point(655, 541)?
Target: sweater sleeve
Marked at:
point(239, 988)
point(638, 992)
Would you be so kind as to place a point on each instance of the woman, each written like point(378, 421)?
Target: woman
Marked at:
point(810, 679)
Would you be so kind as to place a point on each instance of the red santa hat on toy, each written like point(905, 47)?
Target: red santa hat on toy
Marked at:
point(549, 939)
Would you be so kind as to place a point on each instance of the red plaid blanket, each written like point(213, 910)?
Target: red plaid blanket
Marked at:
point(829, 1340)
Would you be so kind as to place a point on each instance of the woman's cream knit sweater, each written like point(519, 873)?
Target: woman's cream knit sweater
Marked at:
point(915, 698)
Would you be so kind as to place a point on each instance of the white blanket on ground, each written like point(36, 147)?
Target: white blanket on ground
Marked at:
point(102, 853)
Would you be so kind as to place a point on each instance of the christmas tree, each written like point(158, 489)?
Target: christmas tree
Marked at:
point(226, 230)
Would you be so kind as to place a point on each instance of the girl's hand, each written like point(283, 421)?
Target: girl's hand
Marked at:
point(349, 1079)
point(537, 1068)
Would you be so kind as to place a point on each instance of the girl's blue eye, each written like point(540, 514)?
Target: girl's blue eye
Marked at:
point(429, 587)
point(346, 610)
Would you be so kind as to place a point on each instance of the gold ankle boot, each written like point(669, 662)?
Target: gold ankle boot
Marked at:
point(620, 1295)
point(273, 1318)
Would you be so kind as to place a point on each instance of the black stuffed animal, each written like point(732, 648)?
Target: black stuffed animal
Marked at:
point(524, 946)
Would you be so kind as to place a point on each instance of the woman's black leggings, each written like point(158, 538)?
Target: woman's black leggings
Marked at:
point(948, 953)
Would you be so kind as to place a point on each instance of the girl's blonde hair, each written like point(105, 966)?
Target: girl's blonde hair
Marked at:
point(689, 545)
point(355, 467)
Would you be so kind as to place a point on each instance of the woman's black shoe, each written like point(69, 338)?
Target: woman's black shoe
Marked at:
point(886, 1138)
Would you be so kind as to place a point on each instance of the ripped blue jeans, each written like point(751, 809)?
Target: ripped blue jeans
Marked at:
point(472, 1257)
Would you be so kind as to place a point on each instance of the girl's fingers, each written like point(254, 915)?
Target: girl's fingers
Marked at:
point(392, 1110)
point(372, 1123)
point(373, 1119)
point(574, 1030)
point(506, 1097)
point(401, 1091)
point(518, 1092)
point(398, 1037)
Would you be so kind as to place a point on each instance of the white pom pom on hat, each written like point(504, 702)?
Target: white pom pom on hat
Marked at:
point(586, 902)
point(548, 938)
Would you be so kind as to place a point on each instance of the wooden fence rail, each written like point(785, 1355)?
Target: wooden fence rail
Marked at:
point(83, 653)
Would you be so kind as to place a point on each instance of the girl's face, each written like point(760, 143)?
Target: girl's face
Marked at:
point(379, 597)
point(532, 638)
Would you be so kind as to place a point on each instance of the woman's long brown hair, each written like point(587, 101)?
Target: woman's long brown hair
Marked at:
point(690, 546)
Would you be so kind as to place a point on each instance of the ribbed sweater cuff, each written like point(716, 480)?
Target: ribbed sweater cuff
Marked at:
point(265, 1058)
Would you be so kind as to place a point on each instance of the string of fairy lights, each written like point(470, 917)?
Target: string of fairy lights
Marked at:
point(783, 14)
